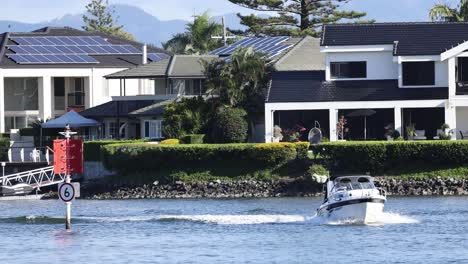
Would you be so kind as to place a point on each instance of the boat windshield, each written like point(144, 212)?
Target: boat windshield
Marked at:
point(346, 184)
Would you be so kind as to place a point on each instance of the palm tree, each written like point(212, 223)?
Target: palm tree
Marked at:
point(197, 38)
point(444, 11)
point(239, 83)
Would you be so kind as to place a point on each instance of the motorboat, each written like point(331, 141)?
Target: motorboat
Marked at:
point(352, 198)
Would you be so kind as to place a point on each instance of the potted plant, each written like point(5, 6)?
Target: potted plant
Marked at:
point(395, 135)
point(277, 134)
point(446, 133)
point(411, 131)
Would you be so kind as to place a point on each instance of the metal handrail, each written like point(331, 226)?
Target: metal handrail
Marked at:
point(36, 178)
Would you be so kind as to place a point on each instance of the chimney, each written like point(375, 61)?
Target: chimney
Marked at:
point(145, 54)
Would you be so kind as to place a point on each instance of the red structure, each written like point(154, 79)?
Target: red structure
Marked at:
point(68, 156)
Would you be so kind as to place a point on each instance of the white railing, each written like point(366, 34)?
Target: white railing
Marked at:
point(35, 178)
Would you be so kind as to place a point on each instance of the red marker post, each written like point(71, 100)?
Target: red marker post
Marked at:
point(68, 159)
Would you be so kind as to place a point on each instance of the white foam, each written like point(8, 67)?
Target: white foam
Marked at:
point(239, 219)
point(386, 218)
point(212, 219)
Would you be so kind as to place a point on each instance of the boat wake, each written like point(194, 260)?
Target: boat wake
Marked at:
point(385, 219)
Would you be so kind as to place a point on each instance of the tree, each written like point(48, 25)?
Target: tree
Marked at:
point(100, 18)
point(446, 12)
point(188, 116)
point(295, 17)
point(197, 38)
point(229, 125)
point(239, 83)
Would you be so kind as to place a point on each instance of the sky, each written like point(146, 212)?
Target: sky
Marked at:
point(33, 11)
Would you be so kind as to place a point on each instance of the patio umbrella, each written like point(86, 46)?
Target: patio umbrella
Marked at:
point(365, 113)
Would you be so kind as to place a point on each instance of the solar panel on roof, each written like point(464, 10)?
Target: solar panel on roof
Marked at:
point(52, 58)
point(154, 57)
point(271, 46)
point(88, 49)
point(65, 40)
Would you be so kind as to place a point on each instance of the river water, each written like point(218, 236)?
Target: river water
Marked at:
point(413, 230)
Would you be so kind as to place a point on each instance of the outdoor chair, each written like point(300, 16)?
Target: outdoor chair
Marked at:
point(439, 131)
point(420, 135)
point(464, 135)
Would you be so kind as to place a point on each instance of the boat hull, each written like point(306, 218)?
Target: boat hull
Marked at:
point(357, 211)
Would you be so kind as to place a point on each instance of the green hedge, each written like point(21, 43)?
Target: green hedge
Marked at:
point(192, 139)
point(146, 157)
point(92, 149)
point(4, 146)
point(378, 157)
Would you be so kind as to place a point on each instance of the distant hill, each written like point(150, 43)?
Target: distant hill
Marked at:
point(144, 26)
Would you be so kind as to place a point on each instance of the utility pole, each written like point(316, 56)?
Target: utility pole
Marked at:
point(225, 36)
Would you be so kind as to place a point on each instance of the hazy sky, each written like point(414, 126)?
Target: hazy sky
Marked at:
point(42, 10)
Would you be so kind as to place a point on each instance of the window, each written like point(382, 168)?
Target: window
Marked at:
point(418, 73)
point(153, 129)
point(113, 130)
point(21, 94)
point(348, 70)
point(186, 87)
point(77, 97)
point(18, 122)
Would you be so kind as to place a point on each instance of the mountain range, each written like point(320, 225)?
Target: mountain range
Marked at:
point(144, 26)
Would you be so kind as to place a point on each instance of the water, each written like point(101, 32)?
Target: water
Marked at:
point(413, 230)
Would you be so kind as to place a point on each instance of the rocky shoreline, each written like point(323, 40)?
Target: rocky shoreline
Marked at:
point(212, 190)
point(266, 189)
point(423, 187)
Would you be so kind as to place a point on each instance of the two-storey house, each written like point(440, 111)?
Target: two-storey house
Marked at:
point(378, 77)
point(46, 72)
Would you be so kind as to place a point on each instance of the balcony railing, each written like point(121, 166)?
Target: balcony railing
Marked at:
point(462, 88)
point(76, 99)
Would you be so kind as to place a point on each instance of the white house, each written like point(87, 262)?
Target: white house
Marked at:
point(404, 73)
point(45, 72)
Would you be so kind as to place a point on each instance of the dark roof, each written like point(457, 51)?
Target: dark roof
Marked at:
point(155, 109)
point(109, 109)
point(150, 70)
point(304, 56)
point(178, 66)
point(105, 61)
point(430, 38)
point(311, 87)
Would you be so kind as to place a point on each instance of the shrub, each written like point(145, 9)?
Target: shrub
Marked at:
point(274, 153)
point(148, 157)
point(318, 169)
point(192, 139)
point(188, 116)
point(92, 149)
point(230, 126)
point(171, 141)
point(4, 146)
point(395, 134)
point(302, 150)
point(376, 157)
point(318, 174)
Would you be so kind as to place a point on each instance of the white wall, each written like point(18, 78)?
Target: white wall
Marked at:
point(380, 65)
point(462, 120)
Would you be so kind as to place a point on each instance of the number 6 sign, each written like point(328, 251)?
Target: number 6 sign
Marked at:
point(66, 192)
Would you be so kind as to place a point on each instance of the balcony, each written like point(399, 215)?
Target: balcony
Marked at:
point(462, 88)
